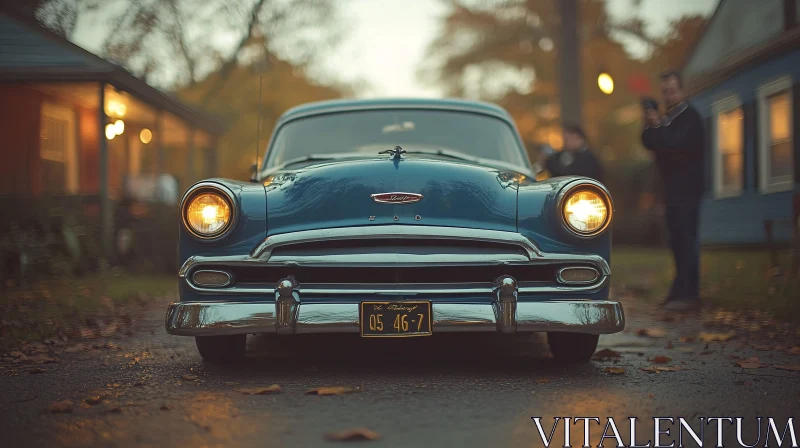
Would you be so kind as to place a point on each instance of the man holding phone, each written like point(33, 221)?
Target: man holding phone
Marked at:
point(678, 142)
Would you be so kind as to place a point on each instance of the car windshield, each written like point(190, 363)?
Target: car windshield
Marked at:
point(369, 132)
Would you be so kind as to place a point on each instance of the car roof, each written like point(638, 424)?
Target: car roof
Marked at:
point(331, 106)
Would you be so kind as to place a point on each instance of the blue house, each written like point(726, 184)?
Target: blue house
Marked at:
point(743, 77)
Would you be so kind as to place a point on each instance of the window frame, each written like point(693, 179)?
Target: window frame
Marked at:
point(766, 183)
point(724, 105)
point(66, 114)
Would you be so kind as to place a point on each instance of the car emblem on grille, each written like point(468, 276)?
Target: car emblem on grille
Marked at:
point(396, 198)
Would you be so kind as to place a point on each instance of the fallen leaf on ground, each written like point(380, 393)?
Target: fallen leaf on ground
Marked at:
point(750, 363)
point(716, 337)
point(792, 368)
point(763, 348)
point(165, 407)
point(356, 434)
point(109, 330)
point(669, 344)
point(78, 348)
point(661, 360)
point(93, 400)
point(36, 370)
point(707, 352)
point(335, 390)
point(651, 332)
point(607, 354)
point(16, 354)
point(274, 389)
point(41, 359)
point(542, 380)
point(659, 369)
point(614, 370)
point(687, 339)
point(60, 407)
point(188, 377)
point(794, 350)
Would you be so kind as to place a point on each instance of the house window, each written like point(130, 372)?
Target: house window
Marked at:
point(58, 149)
point(775, 145)
point(728, 147)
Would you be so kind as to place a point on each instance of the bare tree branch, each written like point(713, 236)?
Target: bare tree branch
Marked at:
point(229, 64)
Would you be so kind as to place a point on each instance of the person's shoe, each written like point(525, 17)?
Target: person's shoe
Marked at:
point(682, 305)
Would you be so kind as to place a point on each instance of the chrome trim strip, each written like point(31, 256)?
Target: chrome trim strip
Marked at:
point(560, 278)
point(264, 250)
point(222, 318)
point(227, 274)
point(403, 289)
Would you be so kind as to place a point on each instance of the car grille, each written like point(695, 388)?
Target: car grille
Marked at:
point(390, 275)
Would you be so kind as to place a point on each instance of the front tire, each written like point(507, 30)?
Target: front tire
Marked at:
point(572, 347)
point(221, 349)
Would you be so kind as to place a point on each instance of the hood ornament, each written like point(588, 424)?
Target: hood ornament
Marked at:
point(395, 153)
point(396, 198)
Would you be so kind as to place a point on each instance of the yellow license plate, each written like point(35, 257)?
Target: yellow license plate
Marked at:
point(395, 319)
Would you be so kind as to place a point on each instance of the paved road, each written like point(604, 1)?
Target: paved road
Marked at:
point(438, 391)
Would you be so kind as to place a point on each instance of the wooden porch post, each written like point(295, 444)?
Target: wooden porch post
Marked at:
point(159, 142)
point(106, 214)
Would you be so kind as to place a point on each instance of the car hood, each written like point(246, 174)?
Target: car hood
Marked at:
point(339, 194)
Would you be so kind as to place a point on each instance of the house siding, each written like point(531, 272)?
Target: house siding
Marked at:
point(740, 219)
point(20, 118)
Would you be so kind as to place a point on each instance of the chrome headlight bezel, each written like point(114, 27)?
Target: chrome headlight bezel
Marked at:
point(583, 185)
point(212, 188)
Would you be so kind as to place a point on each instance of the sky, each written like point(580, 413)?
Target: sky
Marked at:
point(387, 39)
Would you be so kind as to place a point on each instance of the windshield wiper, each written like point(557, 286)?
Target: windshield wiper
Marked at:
point(319, 157)
point(446, 153)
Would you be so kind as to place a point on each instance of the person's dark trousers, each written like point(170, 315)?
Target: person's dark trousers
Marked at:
point(683, 218)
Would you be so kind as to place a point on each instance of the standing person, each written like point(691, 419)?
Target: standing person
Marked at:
point(575, 160)
point(677, 141)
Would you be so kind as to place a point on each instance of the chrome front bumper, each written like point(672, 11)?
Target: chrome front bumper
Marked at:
point(224, 318)
point(504, 306)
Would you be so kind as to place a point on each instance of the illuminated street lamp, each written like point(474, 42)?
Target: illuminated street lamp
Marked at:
point(119, 127)
point(606, 83)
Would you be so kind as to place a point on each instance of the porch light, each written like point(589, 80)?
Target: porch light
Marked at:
point(119, 127)
point(111, 131)
point(606, 83)
point(145, 136)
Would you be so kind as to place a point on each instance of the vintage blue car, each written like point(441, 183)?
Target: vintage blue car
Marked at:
point(395, 218)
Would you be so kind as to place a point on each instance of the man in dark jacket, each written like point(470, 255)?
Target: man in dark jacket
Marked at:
point(576, 159)
point(677, 141)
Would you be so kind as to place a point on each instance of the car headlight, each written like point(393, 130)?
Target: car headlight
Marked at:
point(208, 213)
point(586, 210)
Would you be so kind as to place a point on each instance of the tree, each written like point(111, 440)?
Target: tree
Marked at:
point(170, 43)
point(60, 16)
point(506, 51)
point(237, 103)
